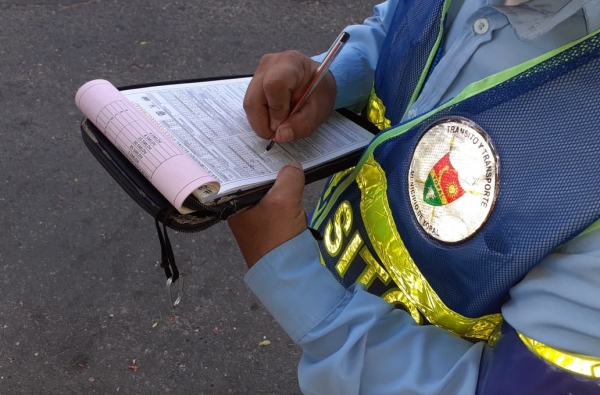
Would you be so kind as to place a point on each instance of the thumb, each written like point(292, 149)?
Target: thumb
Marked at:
point(289, 185)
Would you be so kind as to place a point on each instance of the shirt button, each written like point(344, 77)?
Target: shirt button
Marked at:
point(411, 113)
point(481, 26)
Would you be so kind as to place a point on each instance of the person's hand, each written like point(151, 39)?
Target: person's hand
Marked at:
point(277, 218)
point(278, 82)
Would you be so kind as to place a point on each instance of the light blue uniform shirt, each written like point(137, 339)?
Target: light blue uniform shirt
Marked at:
point(354, 342)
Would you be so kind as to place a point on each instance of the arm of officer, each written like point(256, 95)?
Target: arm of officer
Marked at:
point(353, 342)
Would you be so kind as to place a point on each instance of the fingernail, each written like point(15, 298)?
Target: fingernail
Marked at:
point(297, 165)
point(284, 135)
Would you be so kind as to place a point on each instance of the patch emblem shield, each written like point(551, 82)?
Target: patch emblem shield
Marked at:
point(453, 179)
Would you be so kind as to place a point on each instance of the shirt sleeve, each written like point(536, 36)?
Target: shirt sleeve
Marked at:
point(354, 67)
point(558, 303)
point(354, 342)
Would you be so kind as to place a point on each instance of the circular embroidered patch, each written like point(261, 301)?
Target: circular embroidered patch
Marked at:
point(453, 179)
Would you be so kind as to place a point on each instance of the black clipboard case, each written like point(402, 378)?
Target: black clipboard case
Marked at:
point(152, 201)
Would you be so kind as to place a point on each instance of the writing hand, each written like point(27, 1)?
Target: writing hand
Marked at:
point(277, 85)
point(277, 218)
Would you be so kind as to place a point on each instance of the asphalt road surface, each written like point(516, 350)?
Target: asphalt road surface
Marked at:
point(83, 306)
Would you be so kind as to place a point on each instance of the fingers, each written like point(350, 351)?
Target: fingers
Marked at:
point(279, 81)
point(286, 195)
point(313, 113)
point(288, 188)
point(278, 85)
point(269, 94)
point(257, 107)
point(277, 218)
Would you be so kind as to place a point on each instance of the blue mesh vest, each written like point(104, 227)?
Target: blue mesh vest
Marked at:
point(541, 130)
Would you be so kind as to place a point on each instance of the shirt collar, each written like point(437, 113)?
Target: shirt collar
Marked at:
point(536, 17)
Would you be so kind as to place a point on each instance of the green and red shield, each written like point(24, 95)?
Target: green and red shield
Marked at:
point(442, 186)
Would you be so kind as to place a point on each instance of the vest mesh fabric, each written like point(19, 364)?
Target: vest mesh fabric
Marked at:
point(418, 27)
point(545, 126)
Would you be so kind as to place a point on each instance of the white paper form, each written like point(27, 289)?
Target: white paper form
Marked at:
point(208, 121)
point(157, 157)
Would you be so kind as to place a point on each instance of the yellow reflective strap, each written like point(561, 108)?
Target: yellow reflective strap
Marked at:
point(395, 296)
point(389, 247)
point(376, 111)
point(329, 188)
point(334, 182)
point(582, 365)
